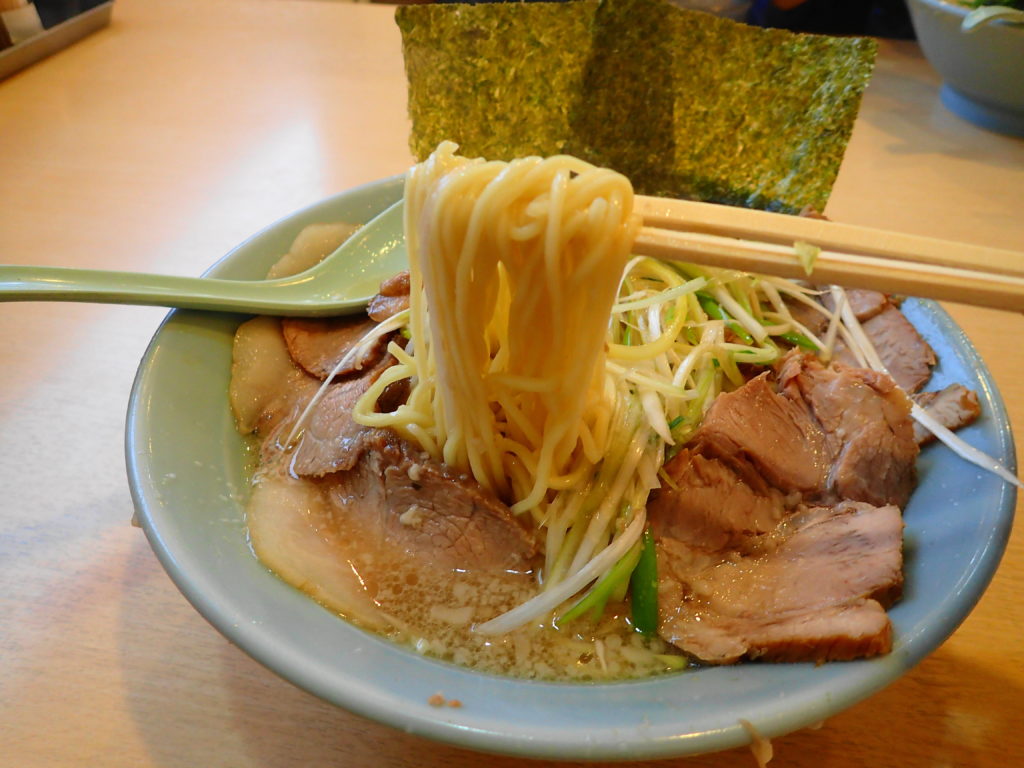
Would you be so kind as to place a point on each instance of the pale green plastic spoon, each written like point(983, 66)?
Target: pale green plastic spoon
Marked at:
point(340, 284)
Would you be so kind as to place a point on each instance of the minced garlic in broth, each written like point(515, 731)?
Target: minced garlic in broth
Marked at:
point(300, 536)
point(440, 614)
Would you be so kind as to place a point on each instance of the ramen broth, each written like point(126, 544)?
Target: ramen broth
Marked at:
point(314, 546)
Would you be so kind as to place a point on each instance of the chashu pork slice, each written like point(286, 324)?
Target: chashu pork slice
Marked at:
point(398, 501)
point(824, 433)
point(268, 390)
point(319, 345)
point(392, 299)
point(814, 589)
point(868, 433)
point(332, 440)
point(705, 503)
point(905, 354)
point(864, 303)
point(953, 407)
point(766, 438)
point(743, 575)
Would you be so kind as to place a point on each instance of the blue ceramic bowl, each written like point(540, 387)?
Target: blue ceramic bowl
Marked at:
point(982, 70)
point(189, 472)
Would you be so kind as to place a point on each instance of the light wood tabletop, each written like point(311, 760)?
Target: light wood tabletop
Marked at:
point(161, 142)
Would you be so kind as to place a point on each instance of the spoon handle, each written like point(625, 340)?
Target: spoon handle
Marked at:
point(36, 283)
point(96, 286)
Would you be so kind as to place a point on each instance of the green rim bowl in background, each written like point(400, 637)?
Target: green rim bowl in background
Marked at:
point(189, 471)
point(982, 70)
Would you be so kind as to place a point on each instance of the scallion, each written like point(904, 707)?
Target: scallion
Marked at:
point(644, 588)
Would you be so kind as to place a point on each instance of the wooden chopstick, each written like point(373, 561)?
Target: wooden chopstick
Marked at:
point(856, 257)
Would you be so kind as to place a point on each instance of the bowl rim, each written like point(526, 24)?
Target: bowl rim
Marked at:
point(955, 9)
point(943, 5)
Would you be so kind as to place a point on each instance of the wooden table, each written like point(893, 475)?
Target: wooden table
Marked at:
point(160, 143)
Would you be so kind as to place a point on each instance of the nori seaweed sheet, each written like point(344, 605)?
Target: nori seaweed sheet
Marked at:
point(624, 117)
point(499, 79)
point(684, 103)
point(782, 106)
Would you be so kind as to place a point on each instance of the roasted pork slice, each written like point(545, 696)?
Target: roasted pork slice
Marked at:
point(332, 439)
point(813, 589)
point(310, 247)
point(318, 345)
point(401, 502)
point(392, 299)
point(824, 433)
point(291, 529)
point(855, 630)
point(741, 574)
point(768, 439)
point(864, 303)
point(705, 503)
point(905, 354)
point(865, 418)
point(953, 407)
point(267, 388)
point(809, 317)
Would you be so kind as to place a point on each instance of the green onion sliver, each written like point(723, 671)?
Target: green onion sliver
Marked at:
point(595, 600)
point(799, 340)
point(661, 297)
point(714, 310)
point(644, 588)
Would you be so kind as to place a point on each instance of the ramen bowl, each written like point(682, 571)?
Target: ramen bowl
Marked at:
point(981, 69)
point(189, 474)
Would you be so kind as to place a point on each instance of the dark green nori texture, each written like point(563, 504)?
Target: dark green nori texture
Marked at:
point(624, 118)
point(497, 78)
point(684, 103)
point(763, 116)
